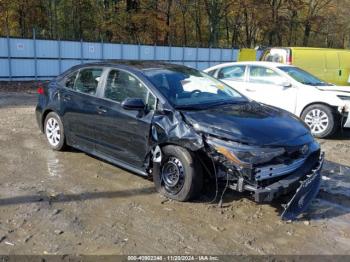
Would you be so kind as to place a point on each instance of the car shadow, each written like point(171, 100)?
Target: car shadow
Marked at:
point(341, 134)
point(61, 198)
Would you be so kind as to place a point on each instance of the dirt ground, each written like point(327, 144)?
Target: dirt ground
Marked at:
point(71, 203)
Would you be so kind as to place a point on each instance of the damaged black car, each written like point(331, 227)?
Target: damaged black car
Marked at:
point(179, 125)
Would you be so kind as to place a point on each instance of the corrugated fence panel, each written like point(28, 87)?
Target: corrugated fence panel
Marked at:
point(176, 53)
point(66, 64)
point(215, 54)
point(21, 47)
point(203, 65)
point(47, 49)
point(190, 54)
point(70, 49)
point(130, 52)
point(162, 53)
point(112, 51)
point(146, 52)
point(3, 49)
point(203, 54)
point(227, 55)
point(48, 67)
point(50, 57)
point(92, 50)
point(4, 68)
point(23, 67)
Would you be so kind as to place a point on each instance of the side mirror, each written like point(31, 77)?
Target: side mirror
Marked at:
point(221, 75)
point(133, 104)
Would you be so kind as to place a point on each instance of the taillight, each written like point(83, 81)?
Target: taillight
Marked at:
point(40, 90)
point(289, 59)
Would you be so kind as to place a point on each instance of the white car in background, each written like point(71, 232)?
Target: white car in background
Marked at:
point(323, 107)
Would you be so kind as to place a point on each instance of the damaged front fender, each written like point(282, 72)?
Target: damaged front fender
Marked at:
point(168, 127)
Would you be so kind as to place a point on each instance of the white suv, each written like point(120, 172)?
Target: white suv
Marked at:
point(323, 106)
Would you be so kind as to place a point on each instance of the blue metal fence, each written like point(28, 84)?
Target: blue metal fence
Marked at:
point(29, 59)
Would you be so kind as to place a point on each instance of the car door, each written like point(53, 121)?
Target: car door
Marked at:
point(234, 76)
point(124, 134)
point(267, 86)
point(78, 102)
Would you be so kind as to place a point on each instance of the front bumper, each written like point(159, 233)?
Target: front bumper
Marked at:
point(305, 182)
point(307, 190)
point(289, 183)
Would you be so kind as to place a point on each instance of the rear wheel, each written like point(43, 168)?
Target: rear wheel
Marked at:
point(54, 131)
point(321, 120)
point(180, 174)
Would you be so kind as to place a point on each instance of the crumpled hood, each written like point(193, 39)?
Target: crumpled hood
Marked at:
point(250, 123)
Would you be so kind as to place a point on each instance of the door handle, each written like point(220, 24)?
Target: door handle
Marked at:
point(101, 110)
point(66, 97)
point(250, 90)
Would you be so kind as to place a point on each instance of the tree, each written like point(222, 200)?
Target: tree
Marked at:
point(243, 23)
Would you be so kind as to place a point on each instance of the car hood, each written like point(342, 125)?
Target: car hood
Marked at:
point(250, 123)
point(338, 89)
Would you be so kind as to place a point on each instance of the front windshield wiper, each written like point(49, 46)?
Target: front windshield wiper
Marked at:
point(209, 105)
point(314, 84)
point(230, 102)
point(189, 107)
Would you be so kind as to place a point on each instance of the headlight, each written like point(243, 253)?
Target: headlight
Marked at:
point(245, 155)
point(346, 98)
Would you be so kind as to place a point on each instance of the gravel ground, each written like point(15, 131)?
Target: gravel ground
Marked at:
point(72, 203)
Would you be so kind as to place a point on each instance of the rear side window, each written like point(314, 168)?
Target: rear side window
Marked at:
point(87, 80)
point(121, 85)
point(264, 75)
point(235, 72)
point(70, 81)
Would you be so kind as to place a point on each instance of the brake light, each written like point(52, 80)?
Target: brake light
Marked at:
point(289, 59)
point(40, 90)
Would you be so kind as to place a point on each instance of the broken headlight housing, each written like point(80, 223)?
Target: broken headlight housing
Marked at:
point(245, 156)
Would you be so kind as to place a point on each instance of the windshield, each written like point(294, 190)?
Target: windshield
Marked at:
point(191, 89)
point(302, 76)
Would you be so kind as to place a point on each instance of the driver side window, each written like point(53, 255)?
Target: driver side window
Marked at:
point(121, 85)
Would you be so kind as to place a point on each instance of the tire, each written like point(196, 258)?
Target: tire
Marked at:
point(321, 119)
point(54, 132)
point(187, 183)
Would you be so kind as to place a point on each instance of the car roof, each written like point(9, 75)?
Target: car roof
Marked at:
point(133, 64)
point(256, 63)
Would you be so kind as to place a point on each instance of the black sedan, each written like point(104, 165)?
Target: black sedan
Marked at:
point(180, 125)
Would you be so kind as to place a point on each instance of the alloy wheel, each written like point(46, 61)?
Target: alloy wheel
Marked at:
point(53, 132)
point(317, 120)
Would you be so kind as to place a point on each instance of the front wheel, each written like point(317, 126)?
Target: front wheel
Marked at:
point(180, 174)
point(320, 119)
